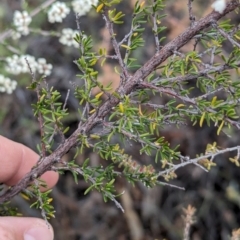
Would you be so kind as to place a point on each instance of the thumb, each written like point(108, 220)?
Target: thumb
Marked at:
point(22, 228)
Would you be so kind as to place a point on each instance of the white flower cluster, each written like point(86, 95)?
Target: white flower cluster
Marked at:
point(81, 7)
point(19, 64)
point(21, 20)
point(43, 67)
point(58, 12)
point(7, 85)
point(219, 5)
point(67, 37)
point(15, 35)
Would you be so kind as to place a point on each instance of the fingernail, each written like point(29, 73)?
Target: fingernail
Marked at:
point(38, 233)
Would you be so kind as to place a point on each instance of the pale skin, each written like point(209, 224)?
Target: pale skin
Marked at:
point(15, 161)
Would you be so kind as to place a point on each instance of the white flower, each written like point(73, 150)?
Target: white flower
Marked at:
point(219, 6)
point(58, 12)
point(67, 37)
point(26, 60)
point(12, 64)
point(15, 35)
point(21, 20)
point(20, 64)
point(7, 85)
point(81, 7)
point(43, 67)
point(17, 65)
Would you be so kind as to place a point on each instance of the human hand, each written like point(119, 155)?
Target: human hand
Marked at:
point(16, 160)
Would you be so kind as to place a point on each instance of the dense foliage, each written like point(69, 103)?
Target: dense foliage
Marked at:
point(200, 86)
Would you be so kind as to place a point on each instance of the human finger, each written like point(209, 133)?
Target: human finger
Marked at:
point(19, 228)
point(16, 160)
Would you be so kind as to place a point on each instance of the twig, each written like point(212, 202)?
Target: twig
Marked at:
point(191, 17)
point(201, 73)
point(189, 220)
point(66, 99)
point(109, 26)
point(40, 116)
point(196, 160)
point(226, 35)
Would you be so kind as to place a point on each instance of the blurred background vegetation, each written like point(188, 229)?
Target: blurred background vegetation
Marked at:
point(149, 213)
